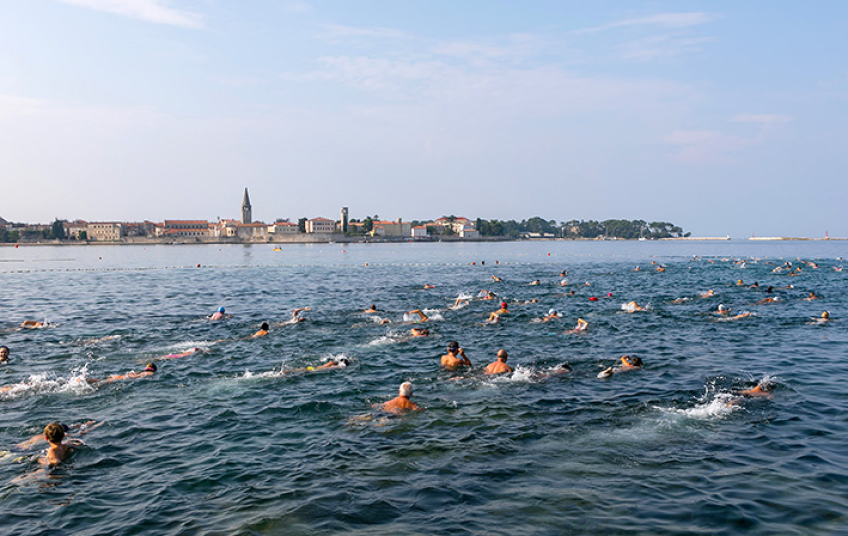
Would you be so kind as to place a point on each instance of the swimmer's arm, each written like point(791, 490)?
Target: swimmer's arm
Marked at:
point(464, 357)
point(419, 313)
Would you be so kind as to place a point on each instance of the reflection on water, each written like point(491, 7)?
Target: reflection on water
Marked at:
point(253, 436)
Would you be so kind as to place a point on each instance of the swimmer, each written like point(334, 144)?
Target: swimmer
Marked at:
point(628, 363)
point(488, 295)
point(296, 314)
point(183, 354)
point(825, 317)
point(263, 330)
point(812, 297)
point(451, 361)
point(723, 309)
point(401, 404)
point(767, 301)
point(739, 283)
point(563, 283)
point(563, 273)
point(220, 314)
point(582, 325)
point(332, 363)
point(636, 269)
point(418, 312)
point(535, 282)
point(459, 302)
point(755, 285)
point(496, 278)
point(32, 324)
point(58, 451)
point(499, 366)
point(503, 310)
point(708, 294)
point(4, 354)
point(428, 286)
point(764, 389)
point(660, 269)
point(147, 372)
point(552, 315)
point(38, 438)
point(372, 309)
point(632, 307)
point(419, 332)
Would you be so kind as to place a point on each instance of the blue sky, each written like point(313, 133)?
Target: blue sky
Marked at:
point(722, 117)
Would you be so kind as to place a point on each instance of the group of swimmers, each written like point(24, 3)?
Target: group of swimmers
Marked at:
point(455, 358)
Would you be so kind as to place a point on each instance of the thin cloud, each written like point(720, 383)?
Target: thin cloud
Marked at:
point(154, 11)
point(337, 31)
point(763, 119)
point(706, 146)
point(665, 20)
point(659, 46)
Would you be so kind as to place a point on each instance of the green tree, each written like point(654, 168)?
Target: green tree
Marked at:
point(368, 224)
point(301, 225)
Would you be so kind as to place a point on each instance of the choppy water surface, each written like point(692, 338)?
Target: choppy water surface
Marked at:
point(225, 442)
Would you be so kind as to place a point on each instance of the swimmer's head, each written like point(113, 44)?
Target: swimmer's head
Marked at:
point(4, 353)
point(825, 314)
point(453, 347)
point(151, 367)
point(221, 310)
point(405, 389)
point(54, 432)
point(424, 332)
point(502, 354)
point(552, 312)
point(503, 305)
point(631, 360)
point(722, 307)
point(265, 326)
point(343, 361)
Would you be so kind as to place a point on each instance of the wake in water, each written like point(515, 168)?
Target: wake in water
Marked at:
point(49, 383)
point(718, 402)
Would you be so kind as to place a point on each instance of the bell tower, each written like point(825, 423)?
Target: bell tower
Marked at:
point(246, 211)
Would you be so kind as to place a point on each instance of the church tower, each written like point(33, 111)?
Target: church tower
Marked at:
point(246, 212)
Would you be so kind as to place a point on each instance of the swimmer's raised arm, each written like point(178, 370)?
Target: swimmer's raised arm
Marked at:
point(419, 313)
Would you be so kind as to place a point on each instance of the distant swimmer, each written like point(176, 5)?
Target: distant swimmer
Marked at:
point(708, 294)
point(535, 282)
point(582, 325)
point(32, 324)
point(632, 307)
point(739, 283)
point(423, 317)
point(455, 357)
point(563, 273)
point(296, 314)
point(263, 330)
point(764, 389)
point(458, 303)
point(499, 366)
point(496, 278)
point(825, 317)
point(488, 295)
point(187, 353)
point(755, 285)
point(552, 315)
point(401, 404)
point(768, 301)
point(428, 286)
point(332, 363)
point(812, 297)
point(220, 314)
point(723, 309)
point(419, 332)
point(660, 269)
point(148, 371)
point(636, 269)
point(563, 283)
point(372, 309)
point(628, 363)
point(82, 428)
point(494, 316)
point(4, 354)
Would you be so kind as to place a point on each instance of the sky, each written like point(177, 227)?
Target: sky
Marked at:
point(722, 117)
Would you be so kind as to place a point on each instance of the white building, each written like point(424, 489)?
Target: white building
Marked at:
point(320, 225)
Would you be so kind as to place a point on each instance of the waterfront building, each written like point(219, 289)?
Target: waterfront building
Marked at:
point(182, 229)
point(394, 229)
point(320, 225)
point(282, 229)
point(106, 231)
point(419, 231)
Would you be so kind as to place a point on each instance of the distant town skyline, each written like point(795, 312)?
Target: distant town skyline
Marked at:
point(701, 114)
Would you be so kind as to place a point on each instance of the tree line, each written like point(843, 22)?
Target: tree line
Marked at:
point(627, 229)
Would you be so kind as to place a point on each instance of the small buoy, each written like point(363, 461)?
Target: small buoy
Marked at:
point(549, 254)
point(99, 258)
point(593, 298)
point(16, 246)
point(473, 263)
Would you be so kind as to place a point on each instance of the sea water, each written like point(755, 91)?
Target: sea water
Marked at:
point(239, 439)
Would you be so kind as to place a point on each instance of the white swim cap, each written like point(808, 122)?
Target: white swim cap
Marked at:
point(552, 312)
